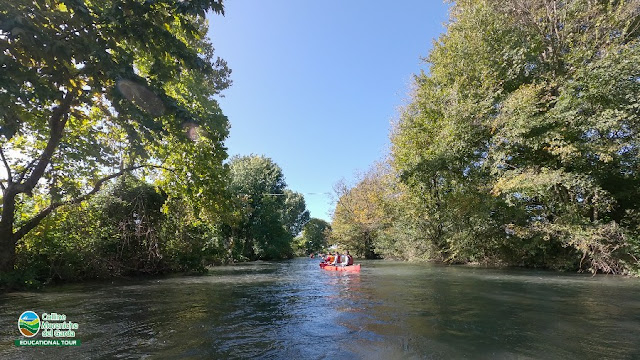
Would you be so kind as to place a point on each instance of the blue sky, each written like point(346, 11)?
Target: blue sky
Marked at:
point(316, 85)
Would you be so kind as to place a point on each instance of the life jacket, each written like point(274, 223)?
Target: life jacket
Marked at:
point(330, 259)
point(338, 259)
point(350, 261)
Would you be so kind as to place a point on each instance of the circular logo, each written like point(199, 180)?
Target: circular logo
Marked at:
point(29, 323)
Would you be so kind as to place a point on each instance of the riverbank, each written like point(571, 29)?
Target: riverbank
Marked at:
point(21, 282)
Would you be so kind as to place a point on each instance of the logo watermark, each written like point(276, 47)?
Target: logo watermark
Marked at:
point(55, 329)
point(47, 342)
point(29, 324)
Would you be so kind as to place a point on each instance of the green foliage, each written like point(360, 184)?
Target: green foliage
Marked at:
point(361, 212)
point(315, 235)
point(114, 234)
point(190, 242)
point(294, 214)
point(519, 146)
point(129, 228)
point(266, 215)
point(94, 89)
point(132, 227)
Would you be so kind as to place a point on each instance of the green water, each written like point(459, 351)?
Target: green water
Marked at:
point(294, 310)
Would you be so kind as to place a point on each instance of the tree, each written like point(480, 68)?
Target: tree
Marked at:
point(90, 91)
point(360, 213)
point(268, 215)
point(315, 235)
point(294, 214)
point(522, 138)
point(115, 233)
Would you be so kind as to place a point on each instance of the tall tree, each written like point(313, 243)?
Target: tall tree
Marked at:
point(294, 214)
point(528, 122)
point(360, 214)
point(315, 235)
point(268, 215)
point(90, 90)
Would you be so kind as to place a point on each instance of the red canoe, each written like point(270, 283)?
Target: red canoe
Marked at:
point(340, 268)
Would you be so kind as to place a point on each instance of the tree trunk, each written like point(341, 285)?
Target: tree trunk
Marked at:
point(7, 237)
point(7, 254)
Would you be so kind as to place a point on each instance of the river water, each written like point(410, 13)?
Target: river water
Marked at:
point(292, 309)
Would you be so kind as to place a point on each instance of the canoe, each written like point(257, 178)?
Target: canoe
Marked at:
point(355, 268)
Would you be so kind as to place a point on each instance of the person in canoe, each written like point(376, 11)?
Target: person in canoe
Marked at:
point(346, 260)
point(338, 260)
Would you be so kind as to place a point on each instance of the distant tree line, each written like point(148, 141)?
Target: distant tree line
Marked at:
point(520, 145)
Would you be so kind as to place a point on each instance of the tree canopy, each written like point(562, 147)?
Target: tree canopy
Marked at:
point(520, 144)
point(268, 215)
point(527, 122)
point(315, 236)
point(90, 90)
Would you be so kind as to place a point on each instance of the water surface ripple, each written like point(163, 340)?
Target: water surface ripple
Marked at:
point(390, 310)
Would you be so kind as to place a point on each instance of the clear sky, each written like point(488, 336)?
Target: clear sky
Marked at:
point(316, 84)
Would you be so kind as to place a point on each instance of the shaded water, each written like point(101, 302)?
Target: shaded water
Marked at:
point(295, 310)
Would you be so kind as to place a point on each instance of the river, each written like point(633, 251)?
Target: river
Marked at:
point(292, 309)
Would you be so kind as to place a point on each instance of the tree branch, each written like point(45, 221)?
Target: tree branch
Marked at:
point(57, 122)
point(6, 165)
point(24, 172)
point(33, 222)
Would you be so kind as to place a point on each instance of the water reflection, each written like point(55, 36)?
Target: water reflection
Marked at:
point(388, 310)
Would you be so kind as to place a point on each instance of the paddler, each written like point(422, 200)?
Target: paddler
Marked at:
point(345, 260)
point(329, 259)
point(349, 258)
point(336, 260)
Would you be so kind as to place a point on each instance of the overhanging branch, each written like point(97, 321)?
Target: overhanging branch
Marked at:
point(57, 123)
